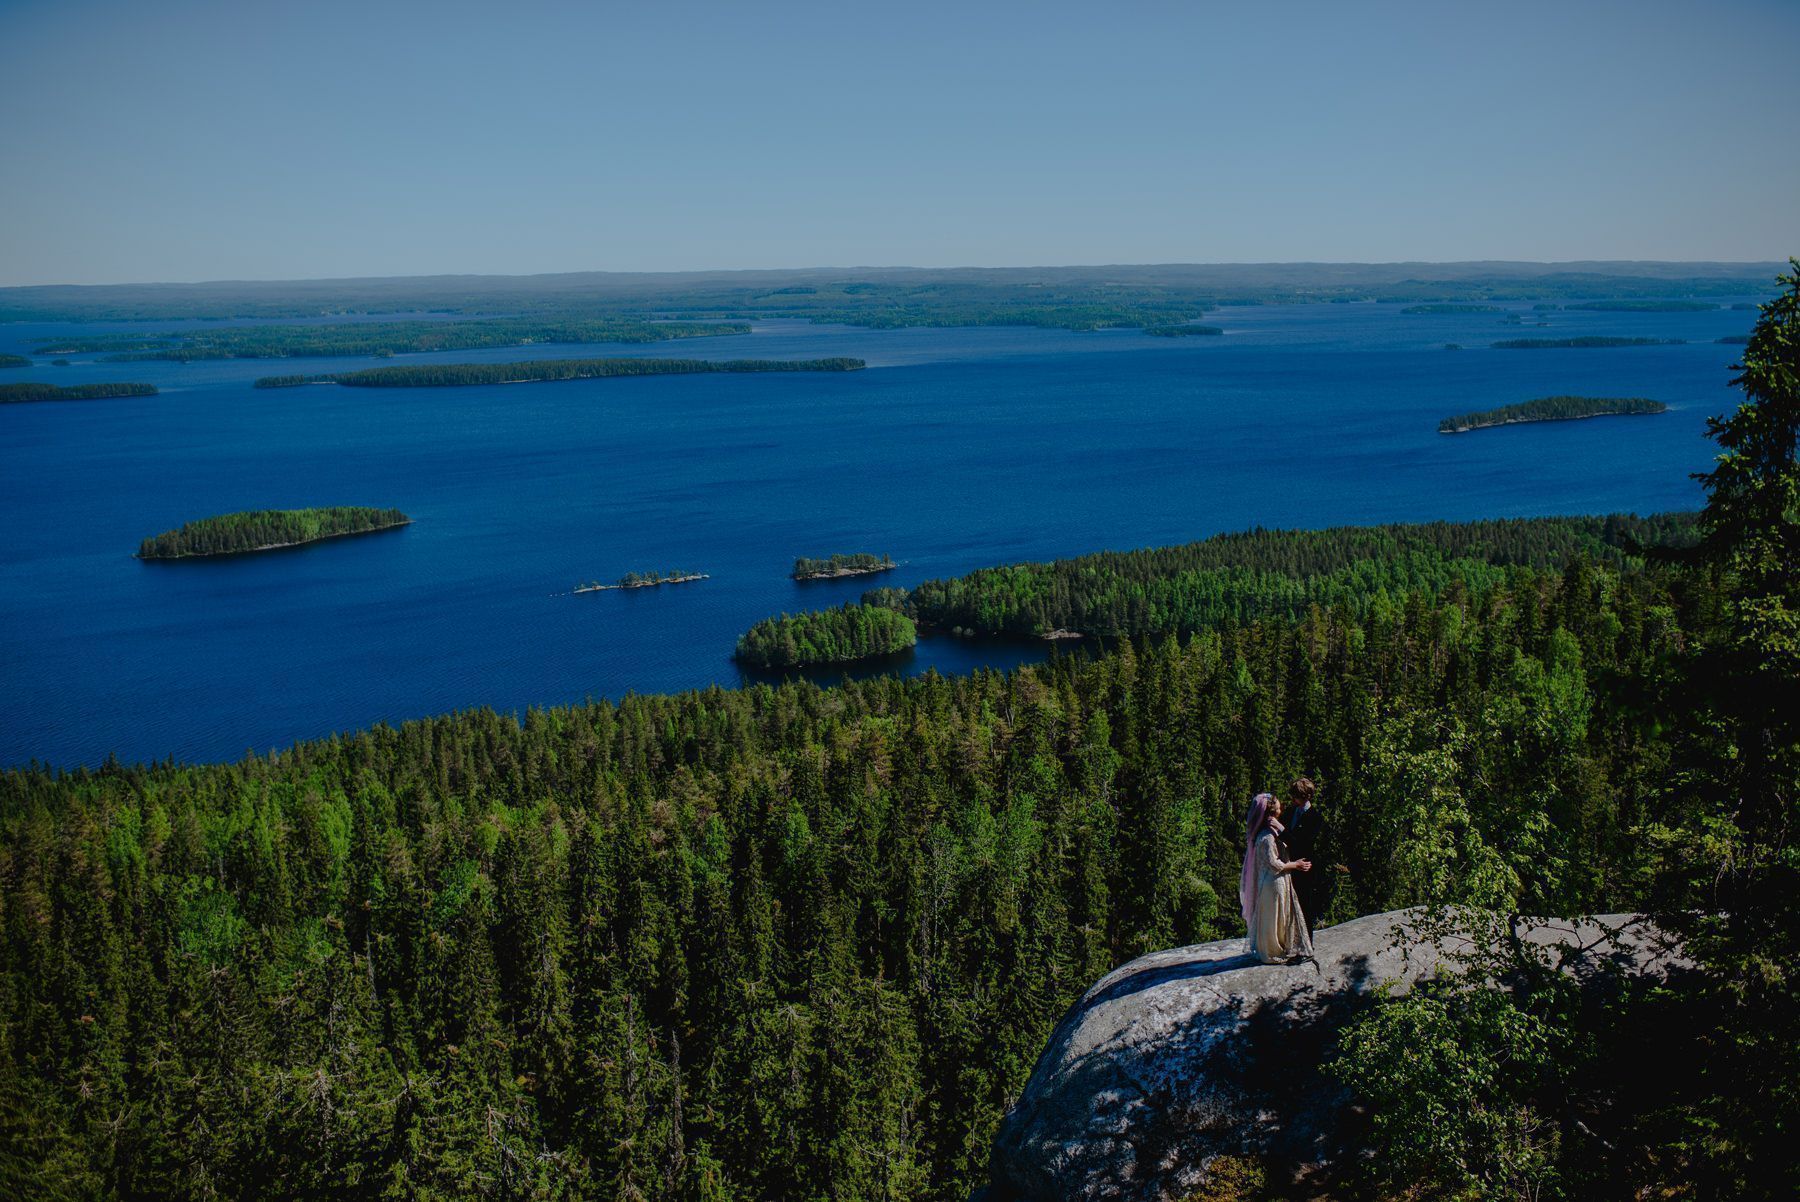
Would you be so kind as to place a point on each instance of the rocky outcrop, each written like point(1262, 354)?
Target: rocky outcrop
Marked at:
point(1185, 1055)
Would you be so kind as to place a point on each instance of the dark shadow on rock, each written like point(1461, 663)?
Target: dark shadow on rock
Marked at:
point(1151, 978)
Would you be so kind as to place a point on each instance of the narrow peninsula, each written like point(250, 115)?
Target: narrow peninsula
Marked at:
point(1183, 330)
point(18, 394)
point(831, 636)
point(641, 580)
point(267, 530)
point(457, 375)
point(14, 361)
point(1551, 409)
point(841, 565)
point(1587, 342)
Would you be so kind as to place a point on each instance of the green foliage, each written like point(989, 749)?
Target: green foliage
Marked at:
point(1449, 1075)
point(257, 530)
point(1261, 573)
point(858, 564)
point(14, 361)
point(1550, 409)
point(1741, 760)
point(830, 636)
point(19, 393)
point(783, 941)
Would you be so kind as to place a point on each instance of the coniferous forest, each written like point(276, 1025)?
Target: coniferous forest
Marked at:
point(264, 529)
point(1551, 409)
point(795, 942)
point(830, 636)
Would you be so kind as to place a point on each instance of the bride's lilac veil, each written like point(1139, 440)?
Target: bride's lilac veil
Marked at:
point(1259, 818)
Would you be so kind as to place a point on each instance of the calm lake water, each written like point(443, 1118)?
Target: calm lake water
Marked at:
point(956, 450)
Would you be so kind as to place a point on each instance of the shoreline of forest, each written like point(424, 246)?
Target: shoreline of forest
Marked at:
point(1533, 421)
point(304, 542)
point(840, 573)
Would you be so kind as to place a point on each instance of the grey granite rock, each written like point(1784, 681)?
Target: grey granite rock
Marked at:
point(1184, 1055)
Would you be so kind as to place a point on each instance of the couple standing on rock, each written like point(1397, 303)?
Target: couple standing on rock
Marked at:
point(1281, 894)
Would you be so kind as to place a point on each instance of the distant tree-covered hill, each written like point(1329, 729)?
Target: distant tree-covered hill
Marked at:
point(379, 338)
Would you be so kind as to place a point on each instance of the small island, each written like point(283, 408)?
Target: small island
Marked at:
point(1551, 409)
point(1439, 309)
point(17, 394)
point(641, 580)
point(14, 361)
point(1182, 331)
point(457, 375)
point(832, 636)
point(1734, 340)
point(1583, 343)
point(267, 530)
point(841, 565)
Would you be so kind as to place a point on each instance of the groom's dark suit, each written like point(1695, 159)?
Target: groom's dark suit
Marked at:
point(1303, 840)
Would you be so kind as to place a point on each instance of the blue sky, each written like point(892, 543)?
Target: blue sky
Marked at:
point(254, 140)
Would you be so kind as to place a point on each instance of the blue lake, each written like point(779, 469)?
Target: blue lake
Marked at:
point(958, 449)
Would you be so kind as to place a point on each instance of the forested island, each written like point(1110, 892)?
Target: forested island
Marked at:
point(1416, 310)
point(267, 530)
point(1551, 409)
point(831, 636)
point(382, 338)
point(860, 564)
point(1733, 340)
point(1582, 343)
point(14, 361)
point(641, 580)
point(1643, 306)
point(456, 375)
point(20, 393)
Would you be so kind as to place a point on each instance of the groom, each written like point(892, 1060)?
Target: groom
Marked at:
point(1302, 839)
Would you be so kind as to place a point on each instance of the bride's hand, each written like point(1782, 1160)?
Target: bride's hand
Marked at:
point(1303, 865)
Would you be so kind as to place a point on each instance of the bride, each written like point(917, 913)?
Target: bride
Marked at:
point(1266, 892)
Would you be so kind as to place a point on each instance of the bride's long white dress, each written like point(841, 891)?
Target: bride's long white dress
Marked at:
point(1277, 928)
